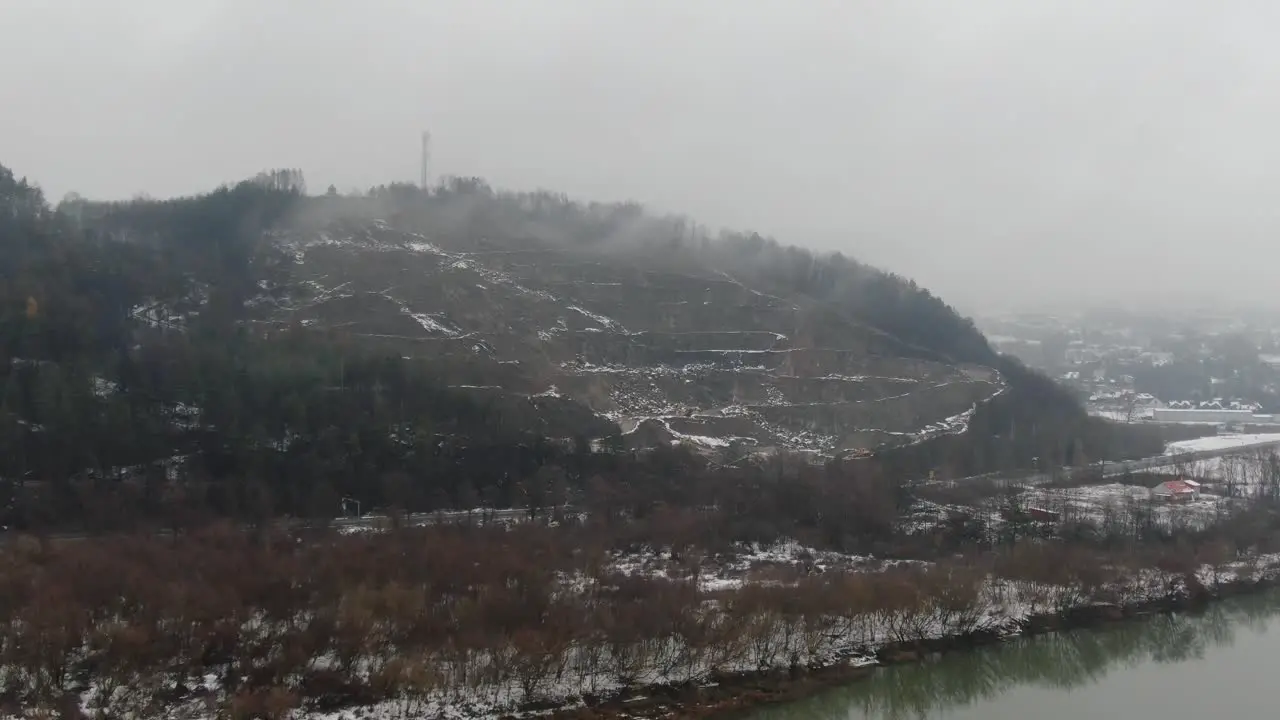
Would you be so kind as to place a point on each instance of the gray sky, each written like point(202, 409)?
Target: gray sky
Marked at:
point(1005, 153)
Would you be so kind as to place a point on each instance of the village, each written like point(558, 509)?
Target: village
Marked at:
point(1191, 368)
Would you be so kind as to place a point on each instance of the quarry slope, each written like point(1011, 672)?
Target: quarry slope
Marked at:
point(669, 354)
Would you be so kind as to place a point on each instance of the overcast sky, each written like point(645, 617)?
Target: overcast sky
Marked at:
point(1005, 153)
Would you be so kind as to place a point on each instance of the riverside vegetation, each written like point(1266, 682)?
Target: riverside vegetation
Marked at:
point(410, 622)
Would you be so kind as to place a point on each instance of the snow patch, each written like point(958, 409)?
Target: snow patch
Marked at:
point(1222, 442)
point(103, 387)
point(609, 323)
point(430, 324)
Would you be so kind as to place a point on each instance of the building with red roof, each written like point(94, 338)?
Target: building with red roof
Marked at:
point(1177, 491)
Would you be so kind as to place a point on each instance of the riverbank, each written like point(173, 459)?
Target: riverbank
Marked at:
point(484, 623)
point(1156, 667)
point(731, 694)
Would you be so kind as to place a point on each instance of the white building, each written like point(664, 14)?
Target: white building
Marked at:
point(1217, 416)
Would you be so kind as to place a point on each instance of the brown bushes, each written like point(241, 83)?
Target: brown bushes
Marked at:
point(485, 614)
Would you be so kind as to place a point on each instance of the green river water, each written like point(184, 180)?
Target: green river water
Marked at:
point(1222, 663)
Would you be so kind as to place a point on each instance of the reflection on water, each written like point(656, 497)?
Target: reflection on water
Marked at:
point(1062, 661)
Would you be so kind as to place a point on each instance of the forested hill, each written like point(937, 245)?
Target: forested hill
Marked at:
point(256, 350)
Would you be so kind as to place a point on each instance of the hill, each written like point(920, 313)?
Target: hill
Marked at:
point(682, 346)
point(256, 350)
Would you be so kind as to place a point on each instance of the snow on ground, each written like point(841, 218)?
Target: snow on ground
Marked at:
point(184, 416)
point(1242, 473)
point(103, 387)
point(158, 314)
point(865, 378)
point(926, 515)
point(1222, 442)
point(1099, 503)
point(387, 240)
point(423, 247)
point(373, 522)
point(705, 440)
point(777, 564)
point(1122, 415)
point(1004, 605)
point(954, 425)
point(1245, 467)
point(607, 322)
point(548, 335)
point(430, 324)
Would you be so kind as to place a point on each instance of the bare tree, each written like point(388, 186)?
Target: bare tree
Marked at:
point(1130, 406)
point(1231, 469)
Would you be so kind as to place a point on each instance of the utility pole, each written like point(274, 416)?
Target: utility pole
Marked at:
point(426, 156)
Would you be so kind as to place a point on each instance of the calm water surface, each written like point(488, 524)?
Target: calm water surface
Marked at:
point(1220, 664)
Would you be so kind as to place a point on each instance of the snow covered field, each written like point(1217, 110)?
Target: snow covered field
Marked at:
point(1123, 416)
point(1246, 468)
point(1240, 472)
point(1223, 442)
point(773, 565)
point(1127, 504)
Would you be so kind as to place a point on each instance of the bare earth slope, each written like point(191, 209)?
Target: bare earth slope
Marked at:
point(669, 355)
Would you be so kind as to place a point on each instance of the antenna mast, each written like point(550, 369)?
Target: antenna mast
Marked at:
point(426, 156)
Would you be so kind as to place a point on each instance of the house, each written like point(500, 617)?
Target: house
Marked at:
point(1177, 491)
point(1211, 413)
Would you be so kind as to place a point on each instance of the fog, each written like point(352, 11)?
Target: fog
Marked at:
point(1005, 153)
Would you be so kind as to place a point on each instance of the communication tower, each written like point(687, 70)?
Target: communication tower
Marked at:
point(426, 156)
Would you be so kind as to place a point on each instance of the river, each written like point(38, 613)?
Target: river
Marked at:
point(1211, 665)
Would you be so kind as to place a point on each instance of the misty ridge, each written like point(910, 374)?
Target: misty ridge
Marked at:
point(544, 218)
point(970, 150)
point(468, 207)
point(498, 219)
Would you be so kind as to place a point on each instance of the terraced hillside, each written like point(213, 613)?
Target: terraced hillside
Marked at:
point(256, 351)
point(691, 354)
